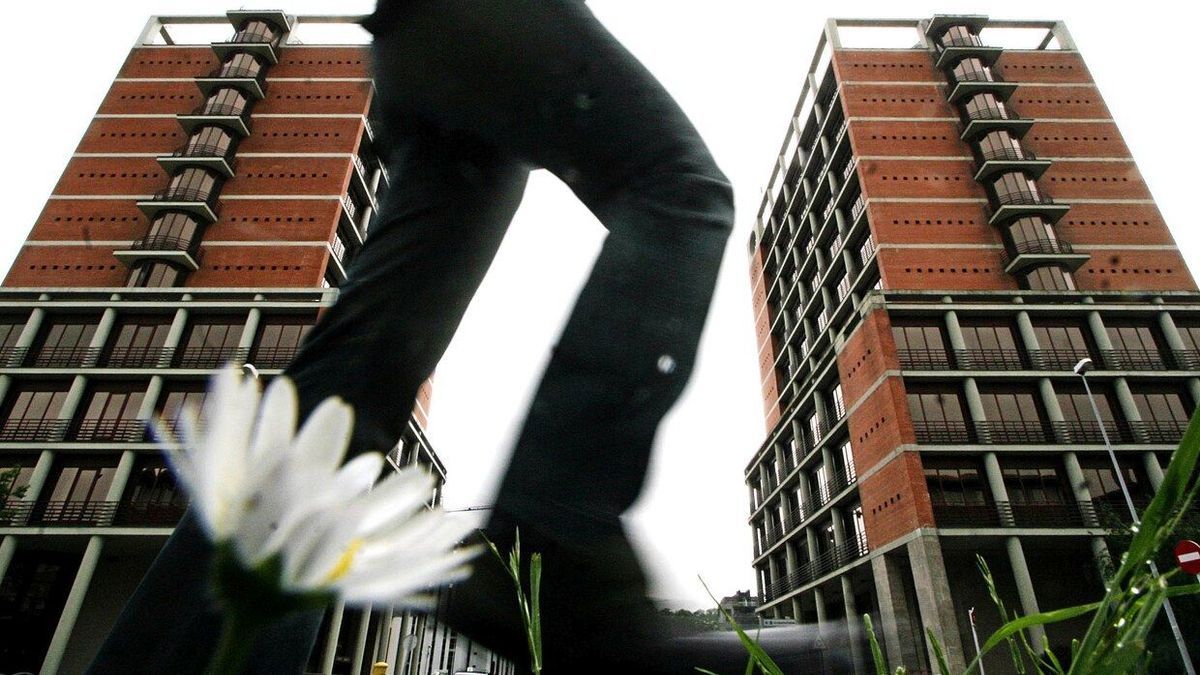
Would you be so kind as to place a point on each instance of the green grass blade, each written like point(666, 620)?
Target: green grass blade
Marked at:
point(940, 655)
point(535, 594)
point(764, 661)
point(876, 652)
point(1019, 624)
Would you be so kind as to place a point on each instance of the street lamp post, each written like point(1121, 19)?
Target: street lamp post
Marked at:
point(1081, 369)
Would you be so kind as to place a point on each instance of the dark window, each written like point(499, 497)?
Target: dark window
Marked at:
point(1010, 406)
point(64, 342)
point(959, 36)
point(986, 107)
point(1102, 484)
point(935, 407)
point(241, 65)
point(1016, 188)
point(180, 395)
point(193, 183)
point(989, 336)
point(1162, 406)
point(1050, 278)
point(1075, 407)
point(1190, 335)
point(1000, 145)
point(279, 338)
point(11, 328)
point(32, 409)
point(155, 275)
point(1070, 339)
point(1032, 234)
point(1132, 338)
point(211, 341)
point(209, 141)
point(921, 345)
point(153, 496)
point(972, 70)
point(226, 102)
point(1033, 481)
point(955, 481)
point(110, 413)
point(137, 341)
point(174, 230)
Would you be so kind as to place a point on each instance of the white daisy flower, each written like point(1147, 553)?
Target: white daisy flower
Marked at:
point(281, 499)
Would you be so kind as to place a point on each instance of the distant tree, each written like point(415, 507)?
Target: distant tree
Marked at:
point(8, 479)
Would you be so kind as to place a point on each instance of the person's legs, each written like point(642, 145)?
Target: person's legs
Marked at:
point(436, 234)
point(544, 80)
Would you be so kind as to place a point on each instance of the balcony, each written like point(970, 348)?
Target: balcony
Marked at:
point(1042, 432)
point(184, 253)
point(1012, 205)
point(981, 122)
point(252, 82)
point(263, 44)
point(866, 251)
point(1009, 514)
point(858, 208)
point(62, 357)
point(200, 204)
point(215, 158)
point(1010, 158)
point(1041, 252)
point(136, 357)
point(233, 118)
point(209, 357)
point(91, 514)
point(277, 18)
point(826, 562)
point(33, 429)
point(975, 82)
point(108, 430)
point(273, 357)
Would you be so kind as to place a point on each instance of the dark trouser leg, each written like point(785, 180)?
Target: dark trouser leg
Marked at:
point(437, 232)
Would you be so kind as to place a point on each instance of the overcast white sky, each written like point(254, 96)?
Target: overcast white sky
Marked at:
point(736, 67)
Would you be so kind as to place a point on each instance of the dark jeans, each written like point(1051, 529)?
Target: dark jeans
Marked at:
point(473, 94)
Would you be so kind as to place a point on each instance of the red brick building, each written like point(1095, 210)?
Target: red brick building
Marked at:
point(207, 216)
point(949, 228)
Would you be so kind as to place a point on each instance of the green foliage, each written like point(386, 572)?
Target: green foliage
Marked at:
point(8, 478)
point(530, 605)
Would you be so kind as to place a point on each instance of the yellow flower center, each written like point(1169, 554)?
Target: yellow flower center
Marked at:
point(342, 567)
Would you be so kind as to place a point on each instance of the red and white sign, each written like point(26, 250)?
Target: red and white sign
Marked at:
point(1187, 554)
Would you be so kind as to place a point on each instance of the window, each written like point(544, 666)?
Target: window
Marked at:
point(193, 184)
point(173, 231)
point(11, 328)
point(1033, 481)
point(155, 275)
point(1000, 145)
point(82, 479)
point(241, 65)
point(1075, 406)
point(138, 341)
point(937, 416)
point(986, 107)
point(1135, 346)
point(208, 141)
point(972, 70)
point(32, 411)
point(1016, 188)
point(64, 342)
point(959, 36)
point(1103, 486)
point(920, 345)
point(1050, 278)
point(846, 456)
point(225, 102)
point(837, 402)
point(180, 395)
point(211, 341)
point(24, 466)
point(110, 413)
point(153, 496)
point(1162, 406)
point(1060, 344)
point(279, 339)
point(1010, 406)
point(256, 31)
point(1032, 234)
point(955, 481)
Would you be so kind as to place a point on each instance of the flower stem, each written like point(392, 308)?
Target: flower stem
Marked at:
point(238, 631)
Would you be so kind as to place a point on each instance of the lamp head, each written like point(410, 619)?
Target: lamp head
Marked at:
point(1084, 366)
point(250, 371)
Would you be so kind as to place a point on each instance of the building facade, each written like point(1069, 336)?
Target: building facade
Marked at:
point(206, 217)
point(950, 226)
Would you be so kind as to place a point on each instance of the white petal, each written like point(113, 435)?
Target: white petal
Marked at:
point(395, 498)
point(276, 422)
point(321, 443)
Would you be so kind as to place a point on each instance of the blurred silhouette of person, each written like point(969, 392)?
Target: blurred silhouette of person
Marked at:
point(473, 95)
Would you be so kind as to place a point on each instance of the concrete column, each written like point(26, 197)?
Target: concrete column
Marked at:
point(811, 542)
point(995, 479)
point(1099, 332)
point(1154, 470)
point(360, 642)
point(37, 479)
point(830, 466)
point(331, 640)
point(174, 336)
point(773, 572)
point(839, 527)
point(1054, 413)
point(854, 626)
point(894, 613)
point(249, 332)
point(8, 548)
point(100, 336)
point(805, 494)
point(1193, 386)
point(791, 561)
point(1171, 332)
point(934, 598)
point(28, 335)
point(1025, 330)
point(975, 409)
point(66, 620)
point(121, 478)
point(954, 331)
point(150, 399)
point(397, 651)
point(74, 397)
point(5, 383)
point(1029, 604)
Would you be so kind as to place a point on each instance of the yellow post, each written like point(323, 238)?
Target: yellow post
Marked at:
point(380, 668)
